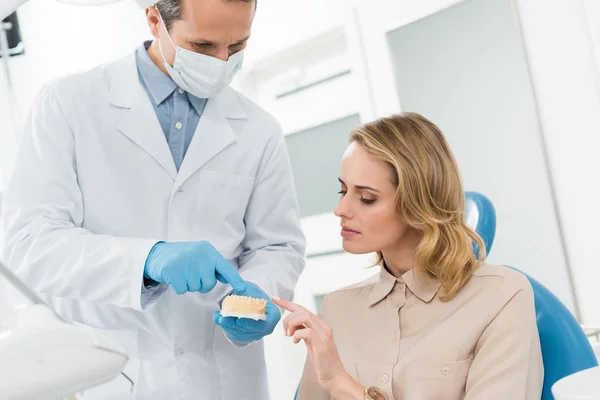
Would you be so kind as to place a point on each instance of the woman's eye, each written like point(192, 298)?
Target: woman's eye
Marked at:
point(367, 201)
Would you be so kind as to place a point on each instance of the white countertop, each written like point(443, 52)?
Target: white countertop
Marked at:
point(583, 385)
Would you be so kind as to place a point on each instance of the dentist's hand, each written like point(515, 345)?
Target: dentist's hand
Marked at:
point(246, 330)
point(190, 267)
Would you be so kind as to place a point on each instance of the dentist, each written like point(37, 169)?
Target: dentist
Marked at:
point(146, 189)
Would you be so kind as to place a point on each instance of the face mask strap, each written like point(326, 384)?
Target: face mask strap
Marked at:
point(162, 22)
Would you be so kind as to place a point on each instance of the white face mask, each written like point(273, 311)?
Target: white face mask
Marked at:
point(201, 75)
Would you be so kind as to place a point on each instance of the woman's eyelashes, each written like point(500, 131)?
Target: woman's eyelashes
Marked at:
point(364, 200)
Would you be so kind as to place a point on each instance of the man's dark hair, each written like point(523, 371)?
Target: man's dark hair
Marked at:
point(172, 10)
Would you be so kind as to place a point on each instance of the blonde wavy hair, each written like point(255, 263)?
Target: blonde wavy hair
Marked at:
point(429, 196)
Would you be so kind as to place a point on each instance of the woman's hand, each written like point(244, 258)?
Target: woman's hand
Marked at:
point(301, 324)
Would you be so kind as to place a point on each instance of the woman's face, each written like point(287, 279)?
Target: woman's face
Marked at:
point(367, 207)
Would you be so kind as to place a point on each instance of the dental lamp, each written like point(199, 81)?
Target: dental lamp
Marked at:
point(43, 357)
point(7, 7)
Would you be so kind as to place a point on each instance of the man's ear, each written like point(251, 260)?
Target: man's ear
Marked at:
point(154, 21)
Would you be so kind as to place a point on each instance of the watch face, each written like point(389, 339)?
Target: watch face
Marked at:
point(376, 394)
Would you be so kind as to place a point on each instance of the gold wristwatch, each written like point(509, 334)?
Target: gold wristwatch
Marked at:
point(373, 393)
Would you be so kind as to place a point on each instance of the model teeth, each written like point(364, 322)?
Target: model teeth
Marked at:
point(244, 305)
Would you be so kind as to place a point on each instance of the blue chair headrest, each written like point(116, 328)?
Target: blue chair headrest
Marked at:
point(480, 215)
point(565, 348)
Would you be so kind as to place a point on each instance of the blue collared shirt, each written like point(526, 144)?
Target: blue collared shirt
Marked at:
point(178, 111)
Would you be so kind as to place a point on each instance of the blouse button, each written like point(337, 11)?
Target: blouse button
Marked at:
point(445, 371)
point(385, 378)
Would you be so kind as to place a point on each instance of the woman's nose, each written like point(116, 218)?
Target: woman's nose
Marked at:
point(342, 209)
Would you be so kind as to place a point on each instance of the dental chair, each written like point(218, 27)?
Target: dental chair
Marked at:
point(565, 347)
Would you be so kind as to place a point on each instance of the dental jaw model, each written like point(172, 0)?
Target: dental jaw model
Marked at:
point(244, 307)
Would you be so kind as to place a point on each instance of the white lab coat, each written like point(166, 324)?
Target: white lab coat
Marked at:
point(95, 187)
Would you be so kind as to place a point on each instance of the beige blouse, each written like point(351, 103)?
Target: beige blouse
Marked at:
point(397, 335)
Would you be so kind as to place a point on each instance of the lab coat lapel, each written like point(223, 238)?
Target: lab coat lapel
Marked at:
point(213, 133)
point(137, 118)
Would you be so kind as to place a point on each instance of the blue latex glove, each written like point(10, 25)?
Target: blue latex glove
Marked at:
point(246, 330)
point(190, 267)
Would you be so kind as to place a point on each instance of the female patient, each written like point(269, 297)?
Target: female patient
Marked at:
point(436, 323)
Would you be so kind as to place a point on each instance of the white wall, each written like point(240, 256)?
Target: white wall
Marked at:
point(566, 79)
point(282, 24)
point(592, 15)
point(465, 69)
point(282, 83)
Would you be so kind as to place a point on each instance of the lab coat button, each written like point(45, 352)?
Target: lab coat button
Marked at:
point(385, 378)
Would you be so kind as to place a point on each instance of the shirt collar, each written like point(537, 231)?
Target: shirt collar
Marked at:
point(424, 288)
point(160, 85)
point(196, 102)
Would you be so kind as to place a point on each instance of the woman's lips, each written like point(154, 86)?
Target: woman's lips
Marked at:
point(348, 233)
